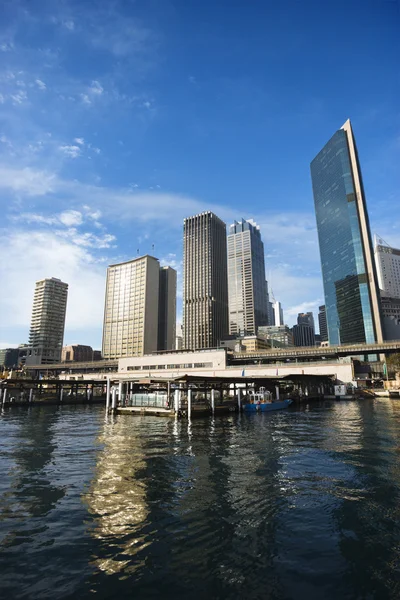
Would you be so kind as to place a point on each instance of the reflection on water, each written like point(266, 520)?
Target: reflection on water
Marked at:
point(296, 504)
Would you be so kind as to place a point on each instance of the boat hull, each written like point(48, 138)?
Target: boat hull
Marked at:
point(267, 407)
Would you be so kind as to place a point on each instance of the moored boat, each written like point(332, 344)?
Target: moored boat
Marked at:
point(267, 406)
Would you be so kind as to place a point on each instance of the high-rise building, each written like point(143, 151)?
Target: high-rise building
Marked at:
point(387, 261)
point(48, 321)
point(247, 288)
point(303, 334)
point(323, 329)
point(167, 309)
point(205, 287)
point(132, 308)
point(278, 313)
point(307, 318)
point(270, 308)
point(348, 269)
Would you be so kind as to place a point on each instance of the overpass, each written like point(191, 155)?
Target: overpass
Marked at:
point(314, 352)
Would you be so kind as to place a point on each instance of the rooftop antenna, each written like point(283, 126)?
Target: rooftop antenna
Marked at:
point(152, 248)
point(137, 252)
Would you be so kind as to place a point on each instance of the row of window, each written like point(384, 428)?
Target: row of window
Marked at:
point(176, 366)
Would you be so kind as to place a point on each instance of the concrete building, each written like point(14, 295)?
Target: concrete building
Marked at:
point(246, 343)
point(303, 334)
point(79, 353)
point(307, 318)
point(387, 262)
point(132, 308)
point(348, 267)
point(205, 287)
point(323, 329)
point(9, 358)
point(48, 321)
point(247, 288)
point(390, 308)
point(278, 314)
point(279, 335)
point(167, 309)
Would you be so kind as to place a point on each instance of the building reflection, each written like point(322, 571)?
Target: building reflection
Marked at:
point(116, 500)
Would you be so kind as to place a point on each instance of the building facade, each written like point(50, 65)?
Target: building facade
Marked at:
point(387, 261)
point(9, 358)
point(247, 288)
point(205, 288)
point(132, 308)
point(303, 334)
point(323, 328)
point(79, 353)
point(348, 269)
point(46, 333)
point(167, 309)
point(280, 336)
point(390, 317)
point(278, 314)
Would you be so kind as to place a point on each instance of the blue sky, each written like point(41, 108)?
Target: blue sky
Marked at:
point(120, 118)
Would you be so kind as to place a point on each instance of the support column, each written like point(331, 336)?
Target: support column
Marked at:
point(1, 394)
point(239, 399)
point(61, 394)
point(108, 394)
point(114, 399)
point(31, 395)
point(120, 391)
point(4, 395)
point(176, 401)
point(277, 392)
point(213, 401)
point(189, 404)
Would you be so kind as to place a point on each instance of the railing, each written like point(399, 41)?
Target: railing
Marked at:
point(151, 400)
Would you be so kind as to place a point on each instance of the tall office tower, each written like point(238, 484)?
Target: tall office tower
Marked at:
point(270, 309)
point(167, 309)
point(205, 286)
point(387, 261)
point(48, 320)
point(348, 269)
point(132, 306)
point(307, 318)
point(303, 334)
point(323, 329)
point(278, 313)
point(247, 288)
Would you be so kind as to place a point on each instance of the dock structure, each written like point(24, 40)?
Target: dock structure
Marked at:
point(51, 391)
point(191, 396)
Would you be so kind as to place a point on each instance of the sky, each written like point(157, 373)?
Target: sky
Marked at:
point(120, 118)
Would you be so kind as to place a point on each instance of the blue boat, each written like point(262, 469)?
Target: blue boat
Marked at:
point(267, 406)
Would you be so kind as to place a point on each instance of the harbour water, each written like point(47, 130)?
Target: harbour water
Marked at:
point(301, 503)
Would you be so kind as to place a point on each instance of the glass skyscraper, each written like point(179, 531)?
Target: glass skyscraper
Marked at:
point(348, 269)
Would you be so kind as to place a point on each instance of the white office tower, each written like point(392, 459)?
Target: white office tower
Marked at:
point(247, 288)
point(46, 334)
point(387, 261)
point(133, 308)
point(278, 313)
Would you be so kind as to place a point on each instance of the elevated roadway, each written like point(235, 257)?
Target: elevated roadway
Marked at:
point(315, 352)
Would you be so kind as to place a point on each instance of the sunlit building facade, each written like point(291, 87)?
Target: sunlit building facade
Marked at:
point(247, 288)
point(348, 268)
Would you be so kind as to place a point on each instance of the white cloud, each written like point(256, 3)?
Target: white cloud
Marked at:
point(19, 98)
point(6, 46)
point(41, 85)
point(71, 151)
point(51, 256)
point(28, 181)
point(96, 89)
point(85, 99)
point(71, 217)
point(69, 25)
point(79, 141)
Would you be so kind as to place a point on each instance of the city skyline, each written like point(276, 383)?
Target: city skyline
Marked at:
point(97, 164)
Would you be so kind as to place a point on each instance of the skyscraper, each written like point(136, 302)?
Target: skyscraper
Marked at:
point(133, 306)
point(167, 309)
point(48, 321)
point(205, 288)
point(303, 334)
point(278, 313)
point(247, 288)
point(387, 261)
point(323, 329)
point(348, 269)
